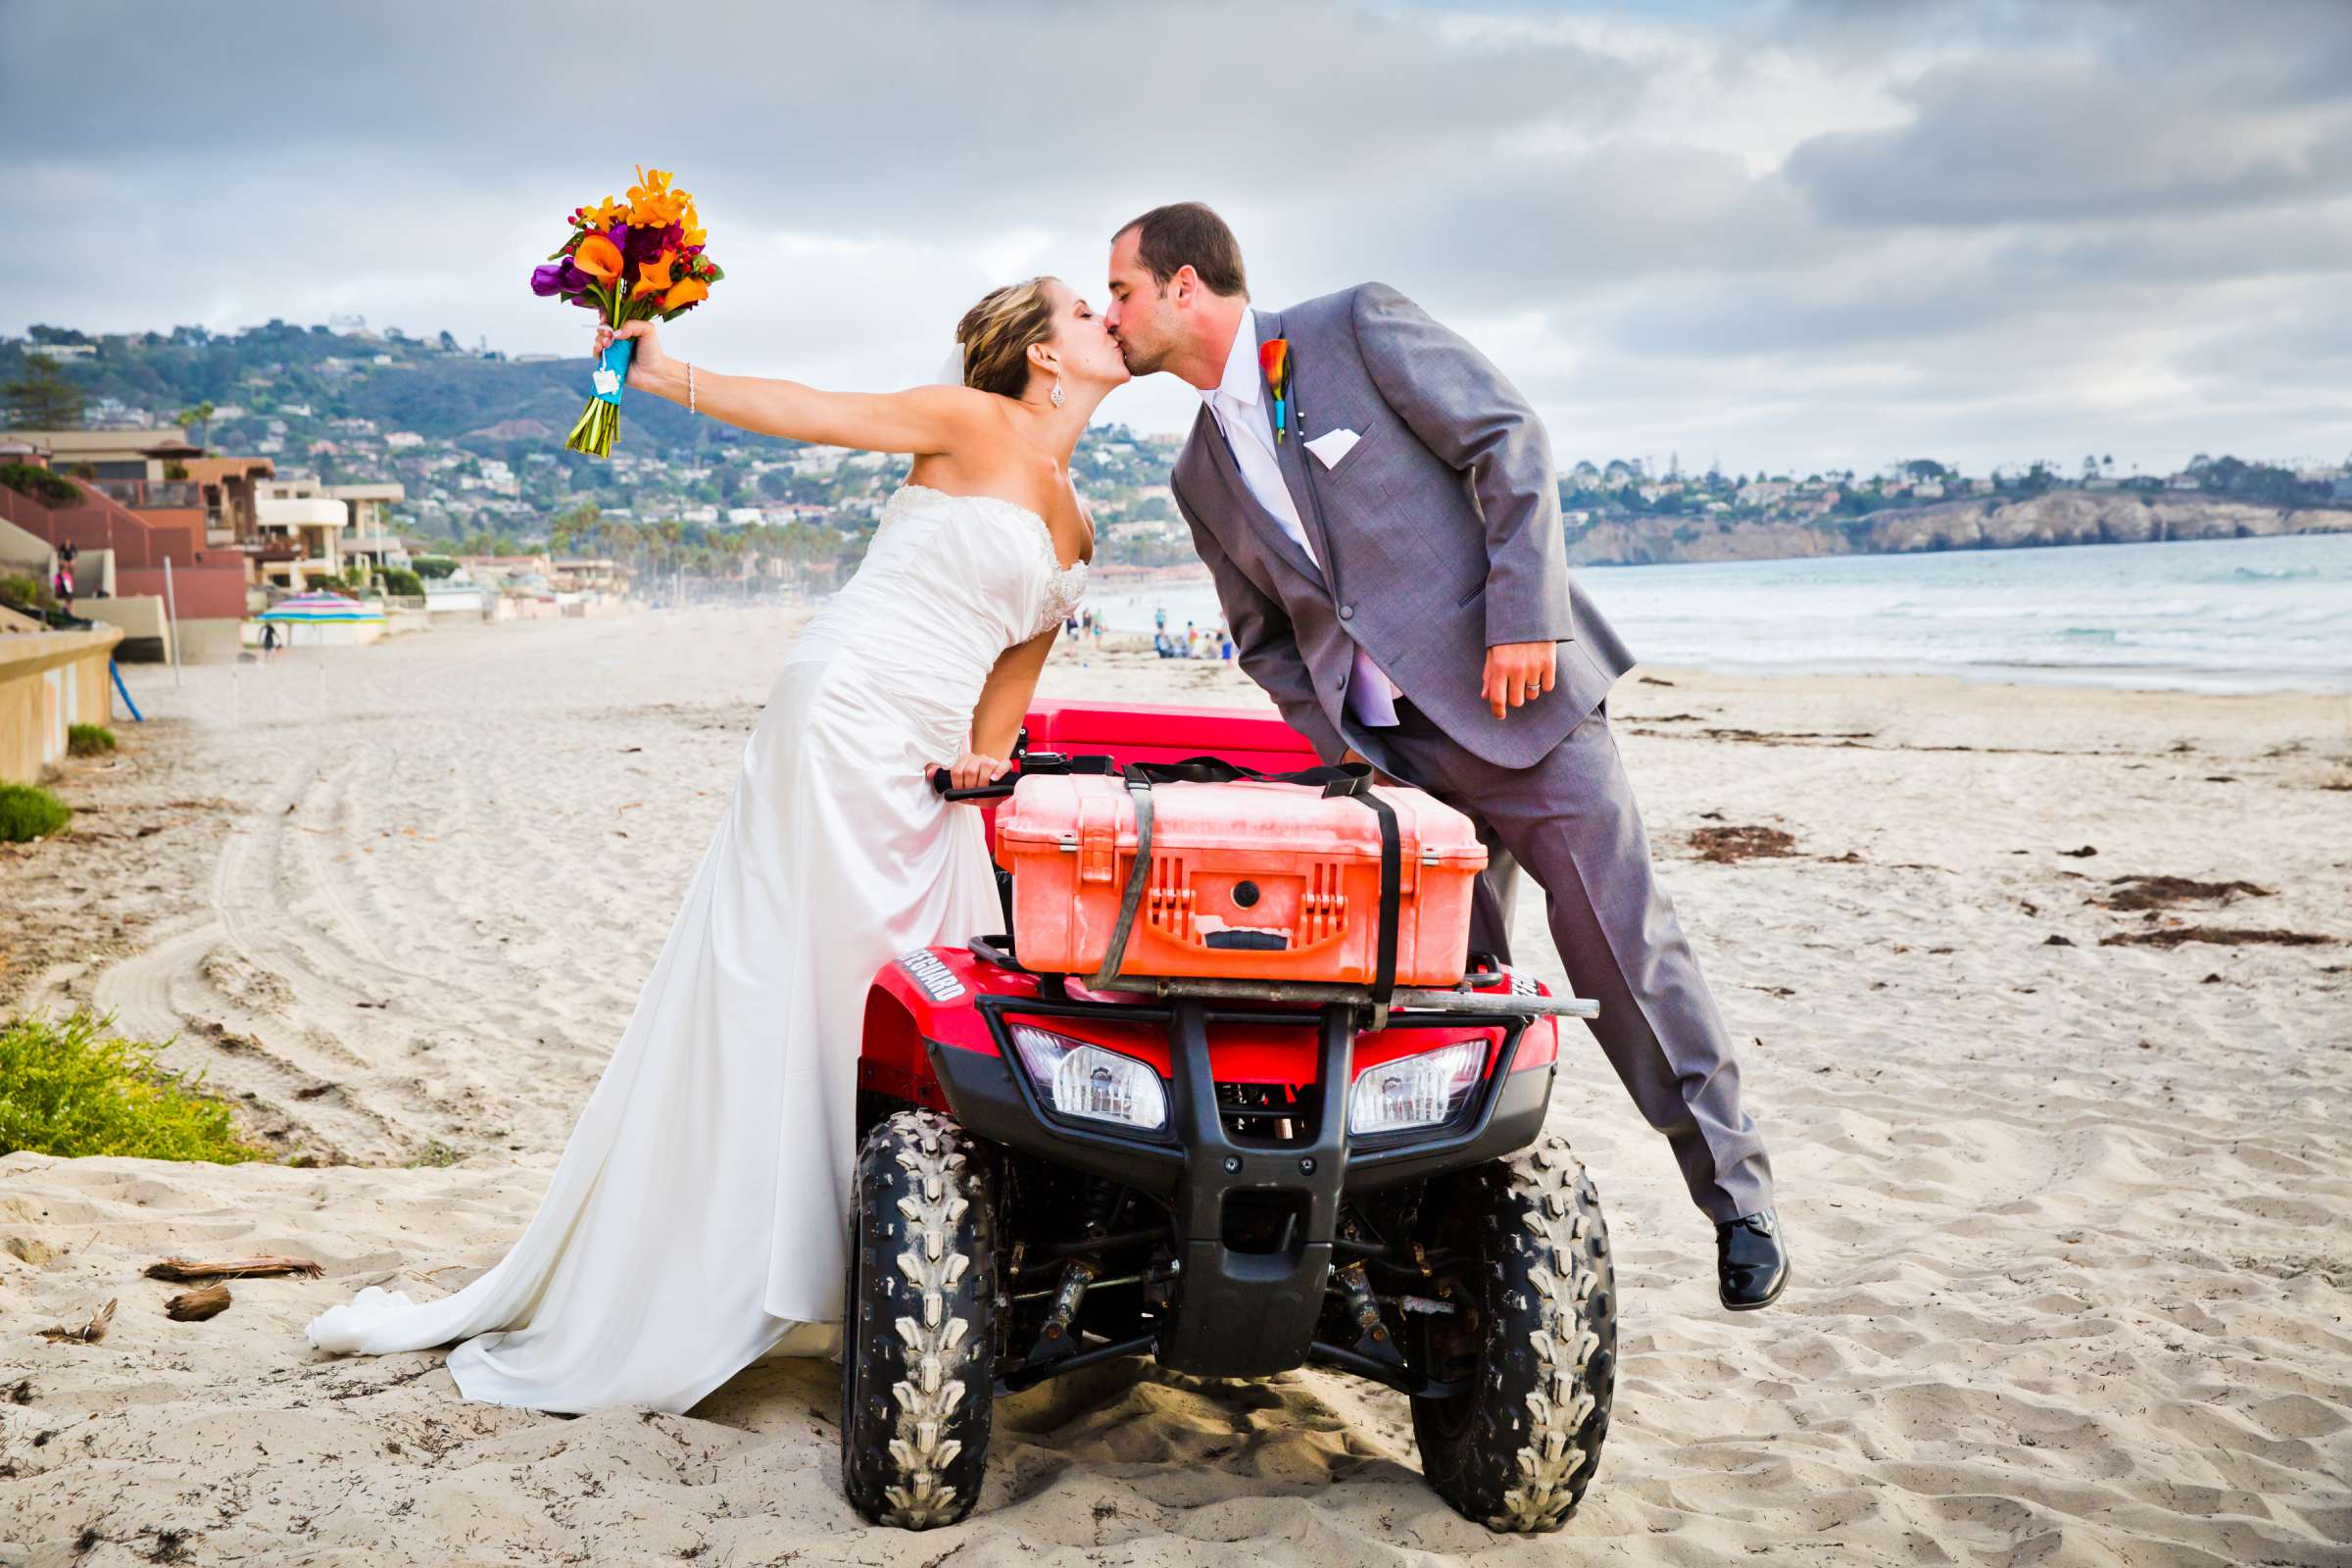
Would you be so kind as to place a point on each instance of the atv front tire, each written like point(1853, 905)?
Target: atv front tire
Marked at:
point(918, 1365)
point(1533, 1341)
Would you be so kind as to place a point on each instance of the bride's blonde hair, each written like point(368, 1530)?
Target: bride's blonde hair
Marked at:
point(997, 333)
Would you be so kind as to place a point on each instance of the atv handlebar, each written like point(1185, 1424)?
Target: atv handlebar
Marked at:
point(943, 785)
point(1024, 763)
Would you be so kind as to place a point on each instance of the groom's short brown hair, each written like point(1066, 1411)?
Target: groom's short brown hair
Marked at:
point(1168, 239)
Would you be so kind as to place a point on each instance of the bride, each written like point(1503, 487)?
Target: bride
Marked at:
point(697, 1220)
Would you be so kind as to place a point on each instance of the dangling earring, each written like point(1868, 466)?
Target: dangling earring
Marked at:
point(1057, 392)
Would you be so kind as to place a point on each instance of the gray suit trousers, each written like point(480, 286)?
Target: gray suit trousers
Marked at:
point(1571, 824)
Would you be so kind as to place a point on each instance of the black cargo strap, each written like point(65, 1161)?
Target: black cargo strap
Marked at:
point(1350, 780)
point(1139, 871)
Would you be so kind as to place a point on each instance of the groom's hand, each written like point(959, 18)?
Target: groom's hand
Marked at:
point(1517, 673)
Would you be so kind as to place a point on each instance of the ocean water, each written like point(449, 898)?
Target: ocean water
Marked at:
point(2223, 615)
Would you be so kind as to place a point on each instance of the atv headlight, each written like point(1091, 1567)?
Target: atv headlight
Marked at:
point(1082, 1079)
point(1423, 1090)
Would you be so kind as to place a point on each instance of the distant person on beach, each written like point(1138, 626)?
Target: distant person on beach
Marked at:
point(1393, 566)
point(269, 639)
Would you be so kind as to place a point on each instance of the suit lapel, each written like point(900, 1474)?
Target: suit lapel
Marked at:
point(1271, 535)
point(1290, 454)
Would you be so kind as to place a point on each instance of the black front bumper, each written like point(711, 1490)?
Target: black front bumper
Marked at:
point(1238, 1313)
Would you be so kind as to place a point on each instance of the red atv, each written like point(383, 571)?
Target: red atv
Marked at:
point(1234, 1177)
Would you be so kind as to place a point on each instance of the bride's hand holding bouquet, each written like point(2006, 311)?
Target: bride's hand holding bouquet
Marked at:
point(652, 369)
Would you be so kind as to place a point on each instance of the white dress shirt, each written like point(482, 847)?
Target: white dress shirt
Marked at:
point(1249, 427)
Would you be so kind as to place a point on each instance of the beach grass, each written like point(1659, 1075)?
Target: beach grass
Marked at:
point(71, 1087)
point(88, 740)
point(27, 812)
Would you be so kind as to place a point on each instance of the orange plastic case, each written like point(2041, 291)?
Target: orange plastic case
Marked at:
point(1250, 880)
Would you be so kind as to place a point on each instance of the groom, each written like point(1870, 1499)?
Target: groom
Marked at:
point(1391, 562)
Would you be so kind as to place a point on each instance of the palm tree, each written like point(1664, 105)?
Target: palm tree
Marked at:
point(199, 415)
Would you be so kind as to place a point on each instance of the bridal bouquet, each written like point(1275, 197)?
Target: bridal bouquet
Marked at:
point(628, 261)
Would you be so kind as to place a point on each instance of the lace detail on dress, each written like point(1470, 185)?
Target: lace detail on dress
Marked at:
point(1061, 599)
point(1067, 585)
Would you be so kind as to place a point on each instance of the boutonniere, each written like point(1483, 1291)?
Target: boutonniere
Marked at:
point(1274, 357)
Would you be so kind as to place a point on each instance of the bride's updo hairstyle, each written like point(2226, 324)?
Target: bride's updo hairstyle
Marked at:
point(997, 333)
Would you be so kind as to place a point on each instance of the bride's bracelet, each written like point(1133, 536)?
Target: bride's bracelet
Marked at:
point(689, 386)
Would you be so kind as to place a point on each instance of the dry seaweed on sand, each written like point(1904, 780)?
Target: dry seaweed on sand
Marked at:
point(2171, 892)
point(184, 1268)
point(90, 1333)
point(1742, 842)
point(2173, 936)
point(194, 1306)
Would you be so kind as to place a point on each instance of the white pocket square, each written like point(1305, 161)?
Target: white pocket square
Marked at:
point(1333, 445)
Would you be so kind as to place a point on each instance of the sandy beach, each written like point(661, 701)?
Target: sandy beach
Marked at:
point(2063, 1151)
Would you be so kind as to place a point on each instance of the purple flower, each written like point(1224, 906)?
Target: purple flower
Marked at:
point(558, 277)
point(639, 246)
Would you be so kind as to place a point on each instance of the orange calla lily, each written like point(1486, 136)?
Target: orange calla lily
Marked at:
point(653, 276)
point(599, 258)
point(686, 291)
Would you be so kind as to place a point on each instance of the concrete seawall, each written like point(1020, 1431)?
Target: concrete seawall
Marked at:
point(49, 680)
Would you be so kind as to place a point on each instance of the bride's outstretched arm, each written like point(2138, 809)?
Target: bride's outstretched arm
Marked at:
point(919, 420)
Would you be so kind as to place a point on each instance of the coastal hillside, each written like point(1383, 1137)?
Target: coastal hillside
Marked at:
point(1976, 522)
point(476, 440)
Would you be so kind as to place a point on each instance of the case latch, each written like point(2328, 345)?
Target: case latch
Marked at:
point(1098, 840)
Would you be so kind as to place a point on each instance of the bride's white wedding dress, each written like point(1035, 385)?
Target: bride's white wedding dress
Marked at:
point(698, 1215)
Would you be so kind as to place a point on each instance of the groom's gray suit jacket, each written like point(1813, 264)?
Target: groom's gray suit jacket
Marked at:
point(1439, 533)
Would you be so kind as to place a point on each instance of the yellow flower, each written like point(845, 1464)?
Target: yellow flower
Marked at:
point(604, 214)
point(652, 203)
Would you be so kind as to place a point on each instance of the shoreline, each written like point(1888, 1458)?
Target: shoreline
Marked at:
point(2265, 613)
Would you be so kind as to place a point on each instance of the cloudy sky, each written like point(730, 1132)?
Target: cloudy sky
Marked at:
point(1795, 235)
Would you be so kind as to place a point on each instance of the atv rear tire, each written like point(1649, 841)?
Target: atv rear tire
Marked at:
point(918, 1365)
point(1536, 1349)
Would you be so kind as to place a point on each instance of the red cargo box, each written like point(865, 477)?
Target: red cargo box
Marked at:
point(1249, 880)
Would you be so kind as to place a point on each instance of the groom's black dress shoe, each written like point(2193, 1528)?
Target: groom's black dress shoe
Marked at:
point(1752, 1266)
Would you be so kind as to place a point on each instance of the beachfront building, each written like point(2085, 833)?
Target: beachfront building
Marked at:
point(304, 530)
point(366, 536)
point(142, 529)
point(228, 487)
point(600, 575)
point(300, 532)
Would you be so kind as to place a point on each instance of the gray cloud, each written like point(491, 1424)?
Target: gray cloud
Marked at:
point(1818, 234)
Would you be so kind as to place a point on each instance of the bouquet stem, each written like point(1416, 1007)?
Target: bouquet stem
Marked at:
point(599, 421)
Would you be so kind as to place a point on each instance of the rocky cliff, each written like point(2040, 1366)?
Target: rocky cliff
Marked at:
point(1978, 523)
